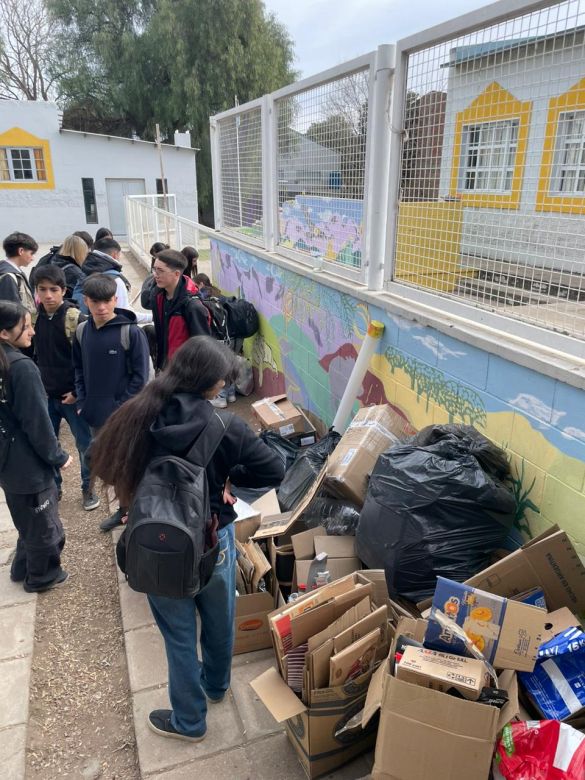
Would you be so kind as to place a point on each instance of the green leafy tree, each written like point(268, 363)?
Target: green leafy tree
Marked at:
point(133, 64)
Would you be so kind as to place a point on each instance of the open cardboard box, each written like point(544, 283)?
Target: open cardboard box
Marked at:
point(312, 727)
point(428, 735)
point(249, 516)
point(277, 413)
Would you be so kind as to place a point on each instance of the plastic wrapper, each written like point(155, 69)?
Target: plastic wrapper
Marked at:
point(245, 378)
point(286, 450)
point(301, 475)
point(338, 518)
point(540, 750)
point(432, 509)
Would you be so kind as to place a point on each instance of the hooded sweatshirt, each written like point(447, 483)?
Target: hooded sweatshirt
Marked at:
point(72, 271)
point(53, 349)
point(105, 374)
point(241, 455)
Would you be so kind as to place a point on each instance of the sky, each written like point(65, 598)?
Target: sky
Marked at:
point(328, 32)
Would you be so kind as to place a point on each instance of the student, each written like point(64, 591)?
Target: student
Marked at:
point(176, 311)
point(55, 328)
point(103, 233)
point(206, 289)
point(166, 418)
point(20, 250)
point(69, 257)
point(157, 247)
point(192, 256)
point(29, 455)
point(110, 360)
point(86, 237)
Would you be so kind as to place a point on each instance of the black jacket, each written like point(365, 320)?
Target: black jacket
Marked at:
point(72, 271)
point(14, 286)
point(176, 320)
point(53, 350)
point(241, 455)
point(99, 263)
point(34, 452)
point(105, 375)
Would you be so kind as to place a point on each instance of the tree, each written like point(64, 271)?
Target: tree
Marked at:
point(29, 67)
point(173, 62)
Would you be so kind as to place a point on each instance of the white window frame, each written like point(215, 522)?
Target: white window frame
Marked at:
point(562, 149)
point(31, 154)
point(488, 149)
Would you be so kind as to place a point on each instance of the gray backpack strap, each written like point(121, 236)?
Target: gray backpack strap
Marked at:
point(79, 331)
point(125, 337)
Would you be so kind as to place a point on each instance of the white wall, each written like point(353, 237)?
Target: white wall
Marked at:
point(521, 235)
point(50, 215)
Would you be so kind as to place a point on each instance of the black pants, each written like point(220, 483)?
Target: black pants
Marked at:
point(40, 537)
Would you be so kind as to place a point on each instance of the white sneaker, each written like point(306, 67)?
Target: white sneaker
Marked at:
point(231, 398)
point(219, 402)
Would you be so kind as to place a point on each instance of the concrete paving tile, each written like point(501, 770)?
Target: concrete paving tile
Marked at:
point(6, 523)
point(18, 630)
point(135, 609)
point(232, 764)
point(157, 753)
point(14, 684)
point(251, 658)
point(8, 537)
point(12, 752)
point(12, 592)
point(5, 553)
point(147, 661)
point(257, 720)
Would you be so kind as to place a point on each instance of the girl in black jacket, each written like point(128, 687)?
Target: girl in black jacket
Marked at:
point(167, 416)
point(29, 455)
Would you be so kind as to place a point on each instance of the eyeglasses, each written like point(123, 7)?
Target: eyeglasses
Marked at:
point(160, 271)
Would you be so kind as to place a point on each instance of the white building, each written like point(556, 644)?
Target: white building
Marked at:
point(55, 181)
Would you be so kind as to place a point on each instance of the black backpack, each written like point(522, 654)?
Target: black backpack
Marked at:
point(242, 318)
point(165, 535)
point(218, 316)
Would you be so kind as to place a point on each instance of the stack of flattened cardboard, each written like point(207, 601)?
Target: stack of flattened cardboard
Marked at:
point(327, 645)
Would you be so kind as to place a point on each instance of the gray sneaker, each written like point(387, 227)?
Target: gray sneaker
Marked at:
point(90, 500)
point(112, 522)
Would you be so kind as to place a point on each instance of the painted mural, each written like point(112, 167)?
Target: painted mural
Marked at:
point(330, 228)
point(310, 337)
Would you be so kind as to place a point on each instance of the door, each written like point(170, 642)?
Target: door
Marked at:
point(116, 191)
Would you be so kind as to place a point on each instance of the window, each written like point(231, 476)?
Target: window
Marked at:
point(22, 165)
point(91, 215)
point(159, 187)
point(569, 168)
point(489, 156)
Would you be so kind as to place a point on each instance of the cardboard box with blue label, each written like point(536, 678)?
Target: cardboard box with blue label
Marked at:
point(508, 633)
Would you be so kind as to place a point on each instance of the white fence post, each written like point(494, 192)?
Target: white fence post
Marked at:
point(376, 201)
point(269, 172)
point(216, 172)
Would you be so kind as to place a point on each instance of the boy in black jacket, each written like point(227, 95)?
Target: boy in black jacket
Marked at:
point(110, 360)
point(55, 328)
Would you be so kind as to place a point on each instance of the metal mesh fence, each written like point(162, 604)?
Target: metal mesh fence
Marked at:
point(321, 164)
point(240, 149)
point(492, 189)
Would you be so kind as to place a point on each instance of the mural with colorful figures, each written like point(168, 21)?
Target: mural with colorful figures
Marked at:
point(324, 227)
point(310, 337)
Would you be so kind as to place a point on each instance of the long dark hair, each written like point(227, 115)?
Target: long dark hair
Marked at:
point(11, 314)
point(123, 446)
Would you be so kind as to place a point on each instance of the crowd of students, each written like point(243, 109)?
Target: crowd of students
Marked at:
point(71, 348)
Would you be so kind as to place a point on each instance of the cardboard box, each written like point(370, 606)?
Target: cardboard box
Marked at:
point(443, 671)
point(307, 436)
point(249, 516)
point(278, 414)
point(252, 631)
point(549, 561)
point(309, 543)
point(337, 568)
point(507, 632)
point(429, 735)
point(369, 434)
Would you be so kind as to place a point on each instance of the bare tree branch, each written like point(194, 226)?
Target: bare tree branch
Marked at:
point(28, 60)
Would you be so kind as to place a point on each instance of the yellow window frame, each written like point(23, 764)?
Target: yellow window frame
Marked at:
point(16, 137)
point(572, 100)
point(494, 104)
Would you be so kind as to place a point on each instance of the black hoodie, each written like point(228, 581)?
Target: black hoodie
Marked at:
point(241, 455)
point(100, 263)
point(72, 271)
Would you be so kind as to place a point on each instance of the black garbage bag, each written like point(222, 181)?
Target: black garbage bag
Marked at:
point(431, 509)
point(338, 518)
point(286, 450)
point(301, 475)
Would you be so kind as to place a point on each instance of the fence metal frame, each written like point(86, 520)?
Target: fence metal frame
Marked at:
point(460, 311)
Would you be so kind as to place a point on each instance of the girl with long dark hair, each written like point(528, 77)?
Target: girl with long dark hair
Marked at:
point(29, 455)
point(167, 417)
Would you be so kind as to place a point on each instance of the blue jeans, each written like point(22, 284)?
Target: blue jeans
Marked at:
point(79, 428)
point(189, 678)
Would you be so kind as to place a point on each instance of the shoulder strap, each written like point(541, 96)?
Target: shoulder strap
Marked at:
point(209, 440)
point(125, 337)
point(79, 330)
point(71, 322)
